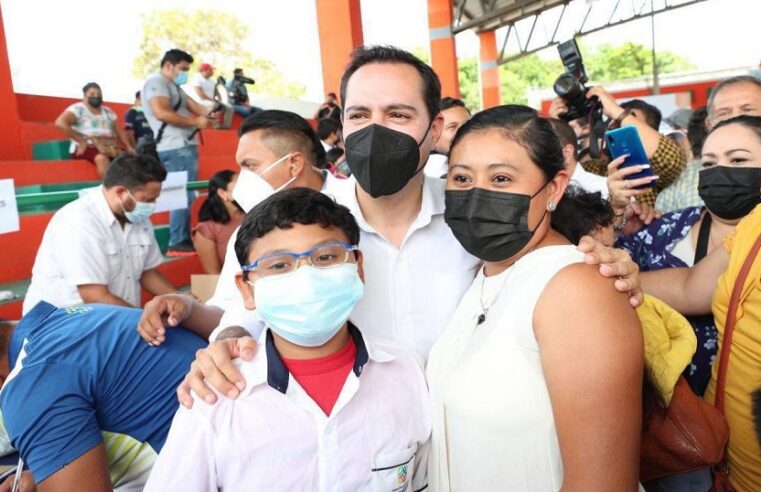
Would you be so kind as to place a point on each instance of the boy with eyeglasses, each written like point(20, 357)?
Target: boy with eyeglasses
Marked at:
point(325, 408)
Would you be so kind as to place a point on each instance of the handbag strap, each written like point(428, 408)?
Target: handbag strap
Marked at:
point(729, 326)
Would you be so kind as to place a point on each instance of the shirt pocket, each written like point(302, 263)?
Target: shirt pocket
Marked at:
point(392, 471)
point(138, 247)
point(114, 259)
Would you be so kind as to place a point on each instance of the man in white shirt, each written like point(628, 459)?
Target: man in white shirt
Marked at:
point(203, 89)
point(329, 132)
point(455, 114)
point(579, 176)
point(327, 407)
point(101, 248)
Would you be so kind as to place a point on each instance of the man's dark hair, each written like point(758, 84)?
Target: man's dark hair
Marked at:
point(137, 95)
point(697, 131)
point(213, 208)
point(566, 135)
point(331, 94)
point(652, 114)
point(293, 206)
point(134, 171)
point(451, 102)
point(524, 126)
point(326, 126)
point(364, 55)
point(284, 132)
point(334, 154)
point(580, 213)
point(237, 71)
point(175, 56)
point(91, 85)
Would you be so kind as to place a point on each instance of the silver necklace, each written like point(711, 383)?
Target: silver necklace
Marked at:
point(484, 308)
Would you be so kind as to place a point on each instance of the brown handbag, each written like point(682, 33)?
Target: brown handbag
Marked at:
point(721, 481)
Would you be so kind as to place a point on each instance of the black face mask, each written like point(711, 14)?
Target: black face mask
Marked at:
point(382, 160)
point(95, 101)
point(730, 192)
point(490, 225)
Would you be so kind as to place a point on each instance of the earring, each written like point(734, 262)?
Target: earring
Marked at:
point(552, 206)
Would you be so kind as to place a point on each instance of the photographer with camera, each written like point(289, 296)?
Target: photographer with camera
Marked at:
point(238, 93)
point(576, 101)
point(203, 89)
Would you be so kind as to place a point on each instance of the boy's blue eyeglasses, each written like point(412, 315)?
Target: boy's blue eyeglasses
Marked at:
point(322, 256)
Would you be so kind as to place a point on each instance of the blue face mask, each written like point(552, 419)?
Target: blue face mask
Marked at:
point(141, 212)
point(309, 306)
point(181, 78)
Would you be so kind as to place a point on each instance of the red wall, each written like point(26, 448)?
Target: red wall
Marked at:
point(47, 108)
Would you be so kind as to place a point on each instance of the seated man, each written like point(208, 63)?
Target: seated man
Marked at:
point(77, 372)
point(238, 94)
point(325, 405)
point(203, 89)
point(93, 129)
point(138, 129)
point(101, 247)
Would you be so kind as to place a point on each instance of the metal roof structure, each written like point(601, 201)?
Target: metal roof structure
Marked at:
point(528, 26)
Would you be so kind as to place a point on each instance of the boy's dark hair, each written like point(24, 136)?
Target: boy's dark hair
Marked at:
point(213, 207)
point(175, 56)
point(134, 171)
point(91, 85)
point(580, 213)
point(293, 206)
point(365, 55)
point(566, 135)
point(451, 102)
point(652, 114)
point(326, 126)
point(285, 132)
point(697, 131)
point(334, 154)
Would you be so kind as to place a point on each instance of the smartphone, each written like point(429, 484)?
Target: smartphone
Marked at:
point(625, 140)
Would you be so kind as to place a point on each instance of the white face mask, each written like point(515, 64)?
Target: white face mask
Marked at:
point(251, 189)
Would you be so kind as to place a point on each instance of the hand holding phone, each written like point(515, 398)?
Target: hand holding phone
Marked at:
point(626, 142)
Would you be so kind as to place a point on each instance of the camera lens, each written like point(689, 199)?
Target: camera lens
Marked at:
point(567, 87)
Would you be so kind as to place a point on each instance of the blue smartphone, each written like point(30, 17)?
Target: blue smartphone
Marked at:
point(625, 140)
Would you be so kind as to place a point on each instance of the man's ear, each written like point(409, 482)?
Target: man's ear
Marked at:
point(568, 154)
point(246, 291)
point(360, 265)
point(437, 127)
point(296, 164)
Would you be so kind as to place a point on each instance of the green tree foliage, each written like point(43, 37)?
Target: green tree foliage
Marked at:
point(605, 64)
point(210, 36)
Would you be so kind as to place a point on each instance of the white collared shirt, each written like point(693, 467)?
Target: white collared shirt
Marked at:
point(85, 244)
point(274, 437)
point(589, 181)
point(436, 166)
point(410, 293)
point(226, 295)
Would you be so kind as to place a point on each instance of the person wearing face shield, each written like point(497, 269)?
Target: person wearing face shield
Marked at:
point(175, 120)
point(93, 129)
point(101, 248)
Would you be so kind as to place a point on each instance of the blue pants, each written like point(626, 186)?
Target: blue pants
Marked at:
point(182, 159)
point(246, 110)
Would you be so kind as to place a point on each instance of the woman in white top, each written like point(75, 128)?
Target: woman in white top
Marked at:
point(536, 383)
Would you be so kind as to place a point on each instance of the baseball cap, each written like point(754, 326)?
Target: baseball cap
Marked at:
point(205, 66)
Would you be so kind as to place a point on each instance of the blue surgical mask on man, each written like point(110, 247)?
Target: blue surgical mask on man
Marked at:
point(310, 305)
point(181, 78)
point(141, 212)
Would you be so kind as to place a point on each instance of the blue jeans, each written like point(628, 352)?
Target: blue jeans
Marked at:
point(246, 110)
point(182, 159)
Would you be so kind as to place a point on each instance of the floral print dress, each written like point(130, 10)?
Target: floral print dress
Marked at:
point(651, 248)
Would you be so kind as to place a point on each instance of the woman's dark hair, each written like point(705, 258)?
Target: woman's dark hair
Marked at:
point(293, 206)
point(752, 123)
point(697, 131)
point(524, 126)
point(213, 208)
point(91, 85)
point(580, 213)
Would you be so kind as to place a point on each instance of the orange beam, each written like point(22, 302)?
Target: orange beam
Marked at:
point(10, 124)
point(443, 46)
point(339, 24)
point(489, 70)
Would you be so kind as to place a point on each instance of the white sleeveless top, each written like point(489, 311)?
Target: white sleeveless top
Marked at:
point(493, 427)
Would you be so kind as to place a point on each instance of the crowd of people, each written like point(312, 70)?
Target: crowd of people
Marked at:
point(410, 297)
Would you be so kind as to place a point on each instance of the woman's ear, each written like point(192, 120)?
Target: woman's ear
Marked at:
point(246, 291)
point(557, 187)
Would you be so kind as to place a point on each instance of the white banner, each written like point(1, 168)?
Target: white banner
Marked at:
point(174, 192)
point(9, 221)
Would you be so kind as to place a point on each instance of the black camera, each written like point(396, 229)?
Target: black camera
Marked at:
point(244, 79)
point(571, 85)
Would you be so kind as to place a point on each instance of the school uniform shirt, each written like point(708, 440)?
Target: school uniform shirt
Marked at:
point(83, 370)
point(274, 437)
point(85, 244)
point(226, 295)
